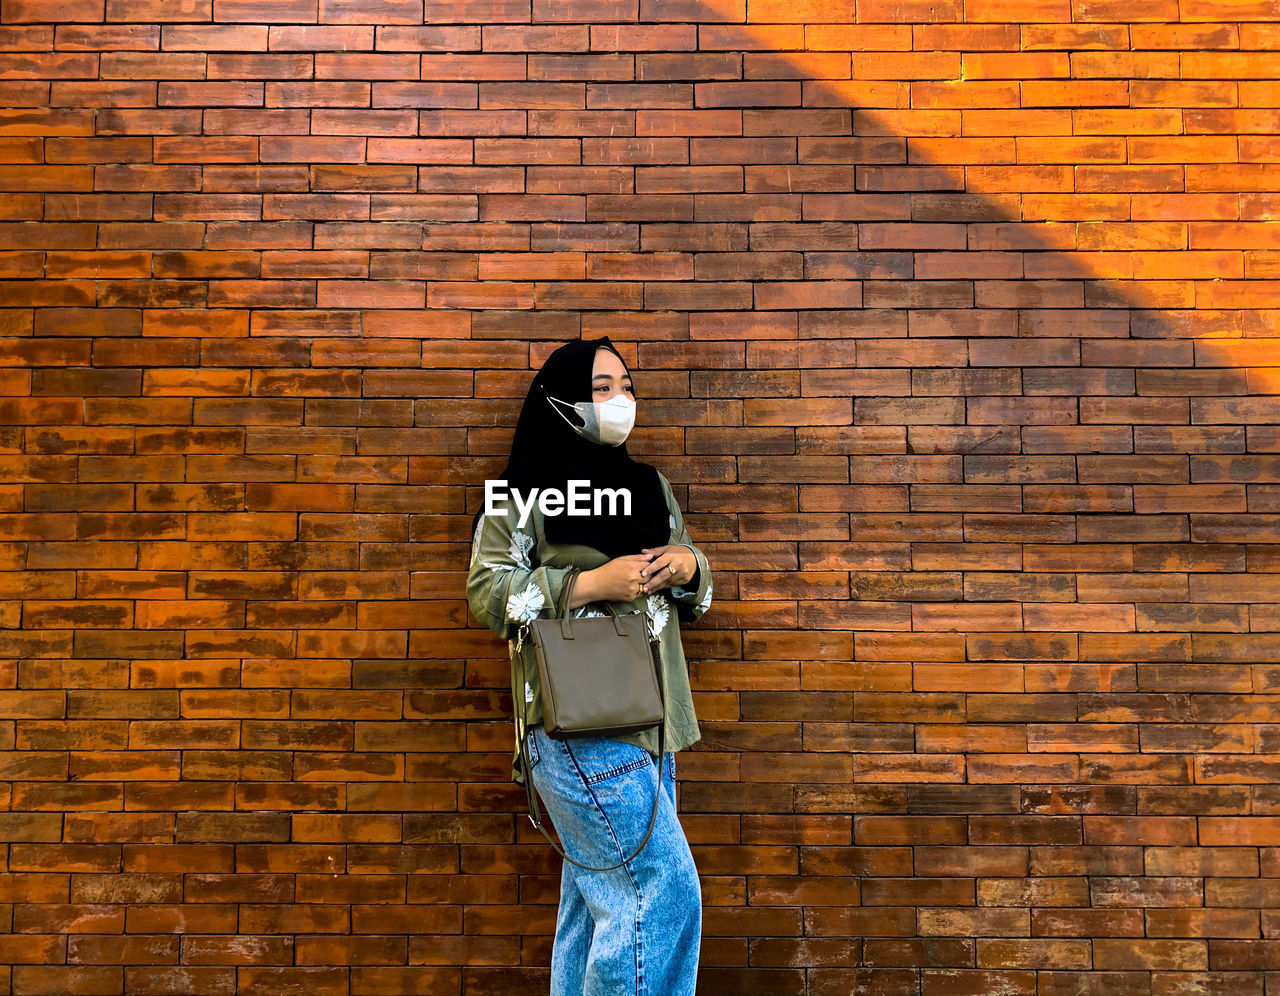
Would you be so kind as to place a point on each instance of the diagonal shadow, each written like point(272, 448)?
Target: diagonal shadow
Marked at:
point(1058, 454)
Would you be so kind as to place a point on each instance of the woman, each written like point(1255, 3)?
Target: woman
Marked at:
point(635, 930)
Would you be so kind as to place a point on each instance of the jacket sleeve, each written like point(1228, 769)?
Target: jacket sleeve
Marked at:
point(505, 586)
point(692, 601)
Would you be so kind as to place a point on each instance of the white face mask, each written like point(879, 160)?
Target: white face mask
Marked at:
point(606, 422)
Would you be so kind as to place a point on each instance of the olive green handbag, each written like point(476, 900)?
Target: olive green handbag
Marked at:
point(599, 677)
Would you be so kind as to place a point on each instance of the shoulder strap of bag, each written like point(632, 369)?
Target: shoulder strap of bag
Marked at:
point(535, 813)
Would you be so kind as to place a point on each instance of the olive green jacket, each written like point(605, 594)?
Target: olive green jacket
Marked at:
point(516, 575)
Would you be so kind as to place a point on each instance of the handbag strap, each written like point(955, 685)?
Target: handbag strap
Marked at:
point(562, 607)
point(535, 813)
point(566, 589)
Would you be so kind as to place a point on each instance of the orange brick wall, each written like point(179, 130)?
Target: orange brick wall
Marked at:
point(950, 325)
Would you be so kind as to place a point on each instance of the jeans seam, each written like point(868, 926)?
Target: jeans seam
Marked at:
point(639, 928)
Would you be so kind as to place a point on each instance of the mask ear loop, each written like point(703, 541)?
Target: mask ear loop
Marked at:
point(576, 428)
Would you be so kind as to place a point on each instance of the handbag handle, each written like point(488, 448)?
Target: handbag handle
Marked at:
point(570, 579)
point(562, 607)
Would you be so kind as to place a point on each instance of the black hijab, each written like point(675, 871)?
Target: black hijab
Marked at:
point(547, 453)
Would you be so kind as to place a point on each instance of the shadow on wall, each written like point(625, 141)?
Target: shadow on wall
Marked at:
point(1040, 258)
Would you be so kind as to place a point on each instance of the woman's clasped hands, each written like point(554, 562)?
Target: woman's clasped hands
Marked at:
point(671, 565)
point(626, 578)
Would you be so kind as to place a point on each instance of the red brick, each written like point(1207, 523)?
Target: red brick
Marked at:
point(998, 250)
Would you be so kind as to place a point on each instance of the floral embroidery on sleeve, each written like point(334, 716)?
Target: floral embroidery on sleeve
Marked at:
point(521, 544)
point(525, 606)
point(657, 608)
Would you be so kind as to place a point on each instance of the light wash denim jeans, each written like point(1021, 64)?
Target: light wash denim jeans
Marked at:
point(633, 931)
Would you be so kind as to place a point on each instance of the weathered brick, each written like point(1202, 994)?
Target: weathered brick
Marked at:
point(989, 289)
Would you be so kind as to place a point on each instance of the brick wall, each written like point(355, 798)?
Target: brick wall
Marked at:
point(949, 323)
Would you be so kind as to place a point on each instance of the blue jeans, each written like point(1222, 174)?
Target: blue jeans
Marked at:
point(633, 931)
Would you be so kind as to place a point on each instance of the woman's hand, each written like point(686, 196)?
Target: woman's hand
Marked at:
point(672, 565)
point(619, 580)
